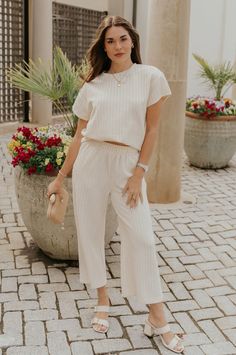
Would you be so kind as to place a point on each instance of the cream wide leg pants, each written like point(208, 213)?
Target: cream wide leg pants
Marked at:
point(101, 169)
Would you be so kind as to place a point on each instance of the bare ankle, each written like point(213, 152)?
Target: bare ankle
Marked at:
point(102, 295)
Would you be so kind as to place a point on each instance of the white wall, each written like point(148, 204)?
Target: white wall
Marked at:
point(141, 25)
point(212, 36)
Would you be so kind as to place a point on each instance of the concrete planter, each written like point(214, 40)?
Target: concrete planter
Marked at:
point(210, 143)
point(54, 241)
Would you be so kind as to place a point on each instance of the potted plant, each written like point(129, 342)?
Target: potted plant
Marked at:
point(210, 127)
point(38, 153)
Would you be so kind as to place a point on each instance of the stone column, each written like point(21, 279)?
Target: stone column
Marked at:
point(41, 46)
point(167, 49)
point(123, 8)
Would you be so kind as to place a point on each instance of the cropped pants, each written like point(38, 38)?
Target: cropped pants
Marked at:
point(102, 169)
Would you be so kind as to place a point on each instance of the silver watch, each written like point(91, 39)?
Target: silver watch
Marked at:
point(145, 167)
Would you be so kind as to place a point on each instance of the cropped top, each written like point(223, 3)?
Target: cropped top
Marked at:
point(118, 113)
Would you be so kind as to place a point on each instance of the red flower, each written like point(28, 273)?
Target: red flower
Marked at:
point(48, 167)
point(25, 131)
point(31, 170)
point(15, 161)
point(53, 141)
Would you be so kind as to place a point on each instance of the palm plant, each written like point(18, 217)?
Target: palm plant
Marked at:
point(59, 80)
point(217, 77)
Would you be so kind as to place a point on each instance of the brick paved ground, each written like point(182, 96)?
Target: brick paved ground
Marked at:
point(45, 310)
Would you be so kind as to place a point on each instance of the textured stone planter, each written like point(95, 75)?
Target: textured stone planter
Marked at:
point(210, 143)
point(54, 241)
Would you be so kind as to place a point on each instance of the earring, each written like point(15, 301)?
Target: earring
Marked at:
point(132, 45)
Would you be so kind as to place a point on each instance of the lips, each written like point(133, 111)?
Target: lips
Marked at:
point(119, 54)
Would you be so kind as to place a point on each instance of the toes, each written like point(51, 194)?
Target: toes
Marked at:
point(179, 347)
point(99, 328)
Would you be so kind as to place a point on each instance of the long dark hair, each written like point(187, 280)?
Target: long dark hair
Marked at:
point(97, 59)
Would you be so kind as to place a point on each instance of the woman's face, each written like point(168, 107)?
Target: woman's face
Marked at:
point(118, 44)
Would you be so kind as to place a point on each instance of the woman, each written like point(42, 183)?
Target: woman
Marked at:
point(118, 108)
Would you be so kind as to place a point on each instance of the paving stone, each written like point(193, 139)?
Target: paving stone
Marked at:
point(115, 269)
point(62, 324)
point(133, 319)
point(74, 282)
point(202, 298)
point(22, 261)
point(115, 329)
point(231, 334)
point(41, 314)
point(37, 279)
point(16, 272)
point(9, 284)
point(7, 340)
point(81, 347)
point(195, 272)
point(16, 240)
point(109, 345)
point(207, 313)
point(57, 344)
point(57, 287)
point(38, 267)
point(140, 352)
point(84, 334)
point(193, 350)
point(67, 306)
point(196, 339)
point(137, 337)
point(225, 304)
point(20, 305)
point(226, 322)
point(179, 277)
point(220, 291)
point(214, 276)
point(227, 271)
point(7, 265)
point(12, 323)
point(180, 306)
point(27, 350)
point(120, 310)
point(179, 291)
point(186, 322)
point(56, 275)
point(47, 300)
point(198, 284)
point(27, 292)
point(115, 296)
point(34, 333)
point(213, 333)
point(210, 265)
point(175, 264)
point(220, 348)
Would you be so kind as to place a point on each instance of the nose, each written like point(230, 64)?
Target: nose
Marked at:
point(118, 45)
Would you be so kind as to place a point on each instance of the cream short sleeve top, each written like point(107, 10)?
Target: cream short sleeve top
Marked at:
point(118, 113)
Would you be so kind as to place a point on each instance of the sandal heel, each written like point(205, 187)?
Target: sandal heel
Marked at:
point(148, 330)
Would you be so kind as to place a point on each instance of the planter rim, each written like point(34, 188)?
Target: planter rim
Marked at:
point(214, 118)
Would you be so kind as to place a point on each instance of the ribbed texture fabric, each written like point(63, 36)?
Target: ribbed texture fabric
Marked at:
point(119, 113)
point(99, 170)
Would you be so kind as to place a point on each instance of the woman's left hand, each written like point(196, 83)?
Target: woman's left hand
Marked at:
point(133, 191)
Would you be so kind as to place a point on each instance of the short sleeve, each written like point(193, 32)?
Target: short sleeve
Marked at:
point(159, 87)
point(81, 106)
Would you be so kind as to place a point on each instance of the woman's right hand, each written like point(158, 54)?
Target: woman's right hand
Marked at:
point(54, 187)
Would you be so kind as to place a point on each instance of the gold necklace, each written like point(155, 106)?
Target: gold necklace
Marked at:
point(119, 81)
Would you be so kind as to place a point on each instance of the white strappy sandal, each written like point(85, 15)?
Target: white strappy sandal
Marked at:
point(150, 330)
point(100, 321)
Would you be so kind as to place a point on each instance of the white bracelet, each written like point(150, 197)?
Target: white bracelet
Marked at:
point(59, 172)
point(145, 167)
